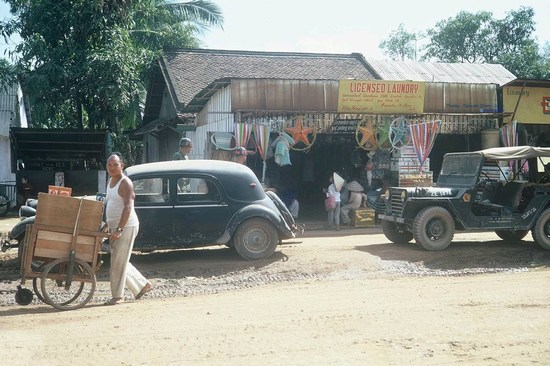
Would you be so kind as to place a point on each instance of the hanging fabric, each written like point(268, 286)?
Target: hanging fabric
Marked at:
point(423, 138)
point(242, 133)
point(261, 135)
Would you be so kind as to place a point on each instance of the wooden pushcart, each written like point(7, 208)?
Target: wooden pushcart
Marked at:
point(61, 250)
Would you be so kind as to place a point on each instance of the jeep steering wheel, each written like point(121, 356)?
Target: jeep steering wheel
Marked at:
point(488, 184)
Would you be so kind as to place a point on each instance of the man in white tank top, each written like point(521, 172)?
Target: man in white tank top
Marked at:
point(123, 225)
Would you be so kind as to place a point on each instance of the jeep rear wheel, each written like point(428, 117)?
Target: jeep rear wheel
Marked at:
point(541, 230)
point(394, 234)
point(511, 235)
point(433, 228)
point(255, 239)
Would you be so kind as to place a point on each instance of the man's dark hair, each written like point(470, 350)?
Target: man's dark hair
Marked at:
point(117, 154)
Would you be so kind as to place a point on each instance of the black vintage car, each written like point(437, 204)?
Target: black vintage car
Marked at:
point(192, 203)
point(498, 189)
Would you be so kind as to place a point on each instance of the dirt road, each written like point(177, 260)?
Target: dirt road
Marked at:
point(352, 299)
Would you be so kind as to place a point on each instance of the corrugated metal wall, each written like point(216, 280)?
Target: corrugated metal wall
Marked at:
point(284, 95)
point(216, 116)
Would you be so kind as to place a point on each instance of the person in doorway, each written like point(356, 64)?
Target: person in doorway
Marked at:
point(334, 214)
point(185, 146)
point(123, 225)
point(239, 155)
point(354, 201)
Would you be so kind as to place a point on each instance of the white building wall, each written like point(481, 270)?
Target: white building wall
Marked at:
point(216, 116)
point(8, 117)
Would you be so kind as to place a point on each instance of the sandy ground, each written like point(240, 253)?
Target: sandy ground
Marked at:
point(333, 300)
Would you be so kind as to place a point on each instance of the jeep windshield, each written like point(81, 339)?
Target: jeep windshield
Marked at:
point(459, 169)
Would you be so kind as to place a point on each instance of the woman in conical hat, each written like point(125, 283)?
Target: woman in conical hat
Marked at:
point(334, 213)
point(338, 181)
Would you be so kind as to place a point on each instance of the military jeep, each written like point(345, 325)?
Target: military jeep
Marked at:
point(497, 189)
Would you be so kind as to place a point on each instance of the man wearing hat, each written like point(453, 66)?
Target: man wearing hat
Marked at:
point(185, 148)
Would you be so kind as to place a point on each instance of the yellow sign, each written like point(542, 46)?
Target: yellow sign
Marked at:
point(381, 96)
point(533, 106)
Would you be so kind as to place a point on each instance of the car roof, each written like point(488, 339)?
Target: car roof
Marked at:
point(217, 167)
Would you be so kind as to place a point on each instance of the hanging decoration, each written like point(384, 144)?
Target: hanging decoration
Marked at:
point(303, 137)
point(242, 133)
point(261, 136)
point(509, 137)
point(368, 137)
point(398, 133)
point(423, 138)
point(382, 135)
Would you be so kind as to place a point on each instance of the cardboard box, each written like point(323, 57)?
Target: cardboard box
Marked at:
point(60, 191)
point(364, 217)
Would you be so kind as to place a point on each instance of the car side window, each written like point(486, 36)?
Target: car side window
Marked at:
point(196, 190)
point(151, 190)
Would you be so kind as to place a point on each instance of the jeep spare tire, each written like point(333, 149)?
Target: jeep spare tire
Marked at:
point(433, 228)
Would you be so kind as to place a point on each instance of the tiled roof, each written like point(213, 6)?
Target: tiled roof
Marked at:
point(442, 72)
point(192, 70)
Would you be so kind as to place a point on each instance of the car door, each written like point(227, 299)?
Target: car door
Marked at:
point(154, 210)
point(201, 212)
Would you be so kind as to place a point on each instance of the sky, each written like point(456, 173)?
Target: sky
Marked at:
point(345, 26)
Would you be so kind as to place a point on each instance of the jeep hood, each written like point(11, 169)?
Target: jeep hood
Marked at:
point(430, 192)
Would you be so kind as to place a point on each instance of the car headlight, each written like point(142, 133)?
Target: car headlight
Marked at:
point(387, 194)
point(403, 196)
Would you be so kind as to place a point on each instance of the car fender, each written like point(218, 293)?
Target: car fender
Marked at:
point(258, 210)
point(19, 229)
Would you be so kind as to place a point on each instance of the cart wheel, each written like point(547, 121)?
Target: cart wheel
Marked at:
point(23, 296)
point(36, 285)
point(54, 284)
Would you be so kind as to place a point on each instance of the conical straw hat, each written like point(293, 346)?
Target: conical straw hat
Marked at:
point(338, 181)
point(354, 186)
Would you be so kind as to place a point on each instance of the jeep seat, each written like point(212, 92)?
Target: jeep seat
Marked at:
point(511, 194)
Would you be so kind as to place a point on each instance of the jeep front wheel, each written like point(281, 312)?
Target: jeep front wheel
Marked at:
point(541, 230)
point(433, 228)
point(394, 234)
point(511, 235)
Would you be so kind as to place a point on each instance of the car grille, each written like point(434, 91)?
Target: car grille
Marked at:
point(396, 205)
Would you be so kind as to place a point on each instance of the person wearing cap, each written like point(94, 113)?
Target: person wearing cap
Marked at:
point(185, 148)
point(240, 154)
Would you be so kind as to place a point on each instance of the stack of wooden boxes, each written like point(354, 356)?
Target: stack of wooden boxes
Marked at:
point(405, 167)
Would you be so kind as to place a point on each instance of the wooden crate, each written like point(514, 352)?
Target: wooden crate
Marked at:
point(62, 224)
point(364, 217)
point(61, 212)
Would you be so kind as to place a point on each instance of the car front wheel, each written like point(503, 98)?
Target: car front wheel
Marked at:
point(434, 228)
point(255, 239)
point(541, 230)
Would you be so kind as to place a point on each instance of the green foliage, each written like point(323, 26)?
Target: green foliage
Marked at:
point(482, 39)
point(400, 45)
point(84, 63)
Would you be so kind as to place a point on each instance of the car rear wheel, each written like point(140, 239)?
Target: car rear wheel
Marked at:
point(255, 239)
point(541, 230)
point(511, 235)
point(434, 228)
point(394, 234)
